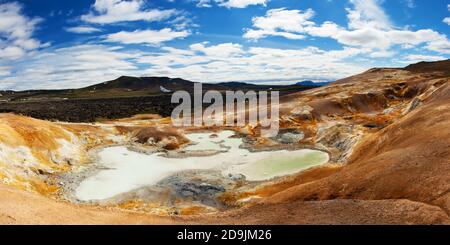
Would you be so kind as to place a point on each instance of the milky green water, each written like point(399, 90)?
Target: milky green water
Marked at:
point(127, 170)
point(280, 164)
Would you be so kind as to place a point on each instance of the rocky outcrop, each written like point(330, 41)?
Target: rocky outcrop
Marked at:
point(339, 139)
point(31, 151)
point(168, 139)
point(290, 136)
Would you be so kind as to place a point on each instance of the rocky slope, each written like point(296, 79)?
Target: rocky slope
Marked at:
point(34, 152)
point(387, 131)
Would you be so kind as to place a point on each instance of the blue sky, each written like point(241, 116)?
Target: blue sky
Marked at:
point(67, 44)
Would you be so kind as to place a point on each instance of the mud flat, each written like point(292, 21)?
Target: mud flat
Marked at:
point(125, 170)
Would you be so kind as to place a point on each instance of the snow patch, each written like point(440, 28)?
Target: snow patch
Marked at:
point(165, 90)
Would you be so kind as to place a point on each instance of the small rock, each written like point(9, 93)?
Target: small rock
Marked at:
point(236, 177)
point(303, 112)
point(416, 102)
point(291, 138)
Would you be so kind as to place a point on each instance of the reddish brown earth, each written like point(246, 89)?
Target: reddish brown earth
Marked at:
point(409, 159)
point(397, 173)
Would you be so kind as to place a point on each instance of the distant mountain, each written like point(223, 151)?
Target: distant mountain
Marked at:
point(127, 87)
point(311, 83)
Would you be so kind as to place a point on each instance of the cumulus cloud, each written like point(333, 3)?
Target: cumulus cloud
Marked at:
point(280, 22)
point(16, 32)
point(230, 3)
point(83, 29)
point(221, 50)
point(69, 67)
point(414, 58)
point(368, 28)
point(112, 11)
point(367, 14)
point(447, 19)
point(150, 37)
point(204, 62)
point(5, 71)
point(242, 3)
point(85, 65)
point(204, 3)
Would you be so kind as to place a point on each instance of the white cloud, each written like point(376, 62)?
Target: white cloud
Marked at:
point(367, 14)
point(382, 53)
point(230, 3)
point(69, 67)
point(221, 50)
point(204, 3)
point(16, 31)
point(151, 37)
point(447, 20)
point(242, 3)
point(414, 58)
point(369, 29)
point(84, 65)
point(182, 22)
point(280, 22)
point(231, 62)
point(83, 29)
point(258, 34)
point(5, 71)
point(112, 11)
point(11, 53)
point(384, 40)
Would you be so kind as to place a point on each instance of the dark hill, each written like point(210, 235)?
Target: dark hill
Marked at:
point(436, 66)
point(311, 83)
point(149, 84)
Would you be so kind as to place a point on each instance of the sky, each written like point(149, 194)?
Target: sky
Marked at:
point(54, 44)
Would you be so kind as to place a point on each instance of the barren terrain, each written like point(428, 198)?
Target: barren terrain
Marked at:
point(387, 132)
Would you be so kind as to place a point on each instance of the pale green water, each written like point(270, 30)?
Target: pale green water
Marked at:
point(280, 164)
point(128, 170)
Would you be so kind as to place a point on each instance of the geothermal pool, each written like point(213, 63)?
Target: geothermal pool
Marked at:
point(126, 170)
